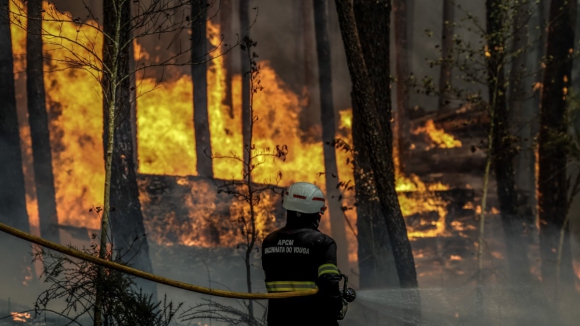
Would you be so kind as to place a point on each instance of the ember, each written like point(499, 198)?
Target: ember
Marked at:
point(22, 317)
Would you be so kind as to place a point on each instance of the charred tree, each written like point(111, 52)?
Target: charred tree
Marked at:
point(402, 73)
point(522, 115)
point(12, 192)
point(307, 48)
point(244, 6)
point(540, 49)
point(503, 147)
point(128, 229)
point(38, 120)
point(380, 158)
point(445, 75)
point(376, 261)
point(552, 183)
point(199, 76)
point(226, 11)
point(338, 225)
point(576, 67)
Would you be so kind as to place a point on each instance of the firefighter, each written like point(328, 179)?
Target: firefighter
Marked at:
point(300, 257)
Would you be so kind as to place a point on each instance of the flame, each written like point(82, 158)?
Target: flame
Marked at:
point(420, 202)
point(166, 144)
point(437, 136)
point(20, 316)
point(172, 128)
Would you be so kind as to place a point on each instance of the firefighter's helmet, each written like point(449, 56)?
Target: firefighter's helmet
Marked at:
point(304, 197)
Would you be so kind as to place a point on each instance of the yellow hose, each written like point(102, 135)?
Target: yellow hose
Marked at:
point(149, 276)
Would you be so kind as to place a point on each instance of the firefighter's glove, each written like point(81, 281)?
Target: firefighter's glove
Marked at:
point(343, 310)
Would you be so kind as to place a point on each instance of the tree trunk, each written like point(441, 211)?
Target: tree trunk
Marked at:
point(503, 149)
point(576, 67)
point(445, 76)
point(12, 192)
point(376, 261)
point(245, 64)
point(126, 218)
point(38, 120)
point(308, 75)
point(380, 158)
point(338, 226)
point(298, 20)
point(552, 183)
point(402, 73)
point(411, 4)
point(539, 60)
point(199, 76)
point(523, 115)
point(226, 10)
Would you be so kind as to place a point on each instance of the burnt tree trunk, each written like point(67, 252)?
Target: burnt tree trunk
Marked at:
point(523, 114)
point(226, 11)
point(402, 73)
point(245, 64)
point(445, 75)
point(199, 76)
point(376, 261)
point(540, 48)
point(12, 192)
point(38, 120)
point(307, 48)
point(298, 39)
point(128, 229)
point(381, 159)
point(552, 183)
point(503, 148)
point(337, 223)
point(576, 66)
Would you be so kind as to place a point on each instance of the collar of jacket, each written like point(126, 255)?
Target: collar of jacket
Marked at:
point(295, 220)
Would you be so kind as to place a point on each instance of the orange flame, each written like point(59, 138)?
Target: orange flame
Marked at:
point(438, 136)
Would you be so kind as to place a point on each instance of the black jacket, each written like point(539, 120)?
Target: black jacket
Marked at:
point(298, 256)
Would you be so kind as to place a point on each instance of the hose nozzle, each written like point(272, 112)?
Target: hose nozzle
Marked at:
point(349, 295)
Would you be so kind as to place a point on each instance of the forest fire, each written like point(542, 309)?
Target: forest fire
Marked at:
point(438, 213)
point(166, 146)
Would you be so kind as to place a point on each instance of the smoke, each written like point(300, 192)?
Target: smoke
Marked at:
point(501, 305)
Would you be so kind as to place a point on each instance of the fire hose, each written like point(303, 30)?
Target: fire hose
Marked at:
point(148, 276)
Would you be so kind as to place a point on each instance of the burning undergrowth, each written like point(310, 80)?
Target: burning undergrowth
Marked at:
point(188, 211)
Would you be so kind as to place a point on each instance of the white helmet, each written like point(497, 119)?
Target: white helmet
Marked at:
point(304, 197)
